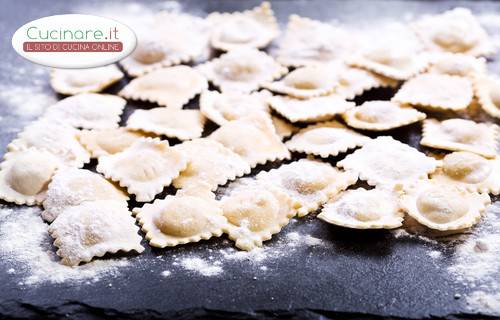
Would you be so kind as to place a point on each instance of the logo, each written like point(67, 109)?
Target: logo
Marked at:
point(74, 41)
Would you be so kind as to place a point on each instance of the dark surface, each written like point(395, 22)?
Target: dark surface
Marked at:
point(355, 275)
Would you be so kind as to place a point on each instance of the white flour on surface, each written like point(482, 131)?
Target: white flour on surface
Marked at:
point(203, 267)
point(476, 263)
point(26, 248)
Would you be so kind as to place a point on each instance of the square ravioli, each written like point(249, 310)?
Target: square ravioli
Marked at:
point(210, 163)
point(107, 141)
point(487, 89)
point(88, 111)
point(354, 81)
point(461, 135)
point(181, 219)
point(310, 110)
point(306, 82)
point(471, 171)
point(308, 182)
point(223, 107)
point(254, 28)
point(145, 168)
point(380, 115)
point(456, 64)
point(386, 162)
point(24, 175)
point(364, 209)
point(75, 81)
point(162, 43)
point(443, 206)
point(55, 137)
point(283, 128)
point(326, 139)
point(93, 229)
point(455, 31)
point(310, 42)
point(71, 187)
point(255, 211)
point(436, 91)
point(254, 138)
point(242, 70)
point(173, 123)
point(397, 55)
point(169, 87)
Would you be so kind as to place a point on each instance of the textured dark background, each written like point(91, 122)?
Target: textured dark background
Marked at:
point(357, 275)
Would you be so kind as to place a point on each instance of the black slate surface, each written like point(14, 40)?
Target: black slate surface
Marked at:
point(354, 275)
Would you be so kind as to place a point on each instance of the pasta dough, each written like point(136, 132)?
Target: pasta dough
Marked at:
point(253, 138)
point(24, 176)
point(93, 229)
point(107, 141)
point(381, 115)
point(75, 81)
point(181, 219)
point(70, 187)
point(461, 135)
point(364, 209)
point(145, 168)
point(385, 162)
point(310, 183)
point(169, 87)
point(326, 139)
point(242, 70)
point(173, 123)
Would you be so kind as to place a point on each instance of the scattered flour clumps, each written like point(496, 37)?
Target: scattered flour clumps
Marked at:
point(25, 246)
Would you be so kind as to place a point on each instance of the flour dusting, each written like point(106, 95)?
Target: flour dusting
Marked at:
point(202, 266)
point(476, 263)
point(26, 247)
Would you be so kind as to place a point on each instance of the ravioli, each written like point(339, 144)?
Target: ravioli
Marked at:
point(92, 229)
point(75, 81)
point(310, 110)
point(24, 176)
point(471, 171)
point(436, 91)
point(70, 187)
point(397, 55)
point(145, 168)
point(173, 123)
point(385, 162)
point(55, 137)
point(88, 111)
point(181, 219)
point(306, 82)
point(380, 115)
point(456, 64)
point(223, 107)
point(326, 139)
point(487, 90)
point(254, 138)
point(164, 43)
point(354, 81)
point(455, 31)
point(283, 128)
point(308, 182)
point(364, 209)
point(169, 87)
point(254, 28)
point(443, 206)
point(107, 141)
point(242, 70)
point(255, 212)
point(310, 42)
point(461, 135)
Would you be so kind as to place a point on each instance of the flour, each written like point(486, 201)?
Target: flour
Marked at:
point(26, 247)
point(201, 266)
point(476, 263)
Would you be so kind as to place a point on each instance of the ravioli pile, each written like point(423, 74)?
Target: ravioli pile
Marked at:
point(297, 98)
